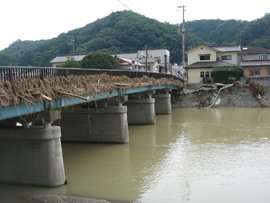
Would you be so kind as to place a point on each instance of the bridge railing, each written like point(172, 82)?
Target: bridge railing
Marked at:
point(11, 72)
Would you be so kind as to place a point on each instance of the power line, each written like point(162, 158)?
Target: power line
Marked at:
point(151, 23)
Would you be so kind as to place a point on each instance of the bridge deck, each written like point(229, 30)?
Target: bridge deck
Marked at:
point(27, 109)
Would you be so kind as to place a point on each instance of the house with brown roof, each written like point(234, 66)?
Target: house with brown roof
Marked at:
point(202, 59)
point(255, 62)
point(256, 68)
point(254, 53)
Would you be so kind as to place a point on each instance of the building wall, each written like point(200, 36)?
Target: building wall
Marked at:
point(262, 69)
point(194, 75)
point(234, 57)
point(158, 53)
point(194, 56)
point(251, 57)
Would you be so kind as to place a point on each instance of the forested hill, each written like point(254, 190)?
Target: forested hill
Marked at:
point(219, 32)
point(128, 32)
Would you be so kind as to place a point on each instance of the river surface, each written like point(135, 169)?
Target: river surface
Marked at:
point(193, 155)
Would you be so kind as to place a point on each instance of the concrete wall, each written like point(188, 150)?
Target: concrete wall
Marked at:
point(108, 124)
point(32, 156)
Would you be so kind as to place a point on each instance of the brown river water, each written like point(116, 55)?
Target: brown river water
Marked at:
point(193, 155)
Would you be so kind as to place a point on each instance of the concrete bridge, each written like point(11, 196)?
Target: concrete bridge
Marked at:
point(32, 154)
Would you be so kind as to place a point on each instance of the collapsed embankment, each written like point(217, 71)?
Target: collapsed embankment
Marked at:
point(235, 96)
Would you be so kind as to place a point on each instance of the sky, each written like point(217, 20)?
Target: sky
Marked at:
point(40, 19)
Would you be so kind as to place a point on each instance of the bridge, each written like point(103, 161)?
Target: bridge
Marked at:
point(32, 154)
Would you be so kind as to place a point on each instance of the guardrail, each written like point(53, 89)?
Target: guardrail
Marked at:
point(11, 72)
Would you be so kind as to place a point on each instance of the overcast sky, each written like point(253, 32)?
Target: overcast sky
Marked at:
point(40, 19)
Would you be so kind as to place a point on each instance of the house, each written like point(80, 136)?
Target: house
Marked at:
point(256, 68)
point(255, 62)
point(202, 59)
point(62, 58)
point(254, 53)
point(125, 63)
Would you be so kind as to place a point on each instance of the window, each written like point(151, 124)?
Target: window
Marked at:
point(254, 73)
point(268, 72)
point(202, 74)
point(204, 57)
point(262, 56)
point(207, 74)
point(229, 57)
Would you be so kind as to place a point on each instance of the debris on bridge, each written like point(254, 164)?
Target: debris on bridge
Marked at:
point(29, 90)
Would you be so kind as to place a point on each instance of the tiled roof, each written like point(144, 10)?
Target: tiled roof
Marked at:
point(63, 58)
point(253, 50)
point(255, 63)
point(226, 48)
point(219, 48)
point(211, 64)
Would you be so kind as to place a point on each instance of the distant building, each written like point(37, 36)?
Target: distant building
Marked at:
point(62, 58)
point(125, 63)
point(157, 61)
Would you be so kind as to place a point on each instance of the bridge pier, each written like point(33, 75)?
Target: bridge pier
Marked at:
point(107, 124)
point(141, 111)
point(32, 156)
point(163, 103)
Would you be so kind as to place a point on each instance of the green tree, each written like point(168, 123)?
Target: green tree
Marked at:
point(70, 63)
point(99, 61)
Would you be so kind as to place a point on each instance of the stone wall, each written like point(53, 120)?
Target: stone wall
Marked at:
point(236, 96)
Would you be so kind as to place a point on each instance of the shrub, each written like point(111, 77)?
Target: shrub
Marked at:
point(226, 74)
point(99, 61)
point(70, 63)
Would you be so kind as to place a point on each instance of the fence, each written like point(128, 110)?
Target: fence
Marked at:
point(11, 72)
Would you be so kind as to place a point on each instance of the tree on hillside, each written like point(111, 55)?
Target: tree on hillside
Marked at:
point(99, 61)
point(8, 60)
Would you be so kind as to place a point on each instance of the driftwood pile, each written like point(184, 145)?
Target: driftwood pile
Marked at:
point(30, 90)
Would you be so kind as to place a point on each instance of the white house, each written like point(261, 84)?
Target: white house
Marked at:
point(202, 59)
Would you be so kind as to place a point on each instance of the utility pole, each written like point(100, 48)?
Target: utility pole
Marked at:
point(183, 34)
point(73, 45)
point(146, 58)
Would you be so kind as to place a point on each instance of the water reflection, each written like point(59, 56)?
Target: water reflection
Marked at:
point(192, 155)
